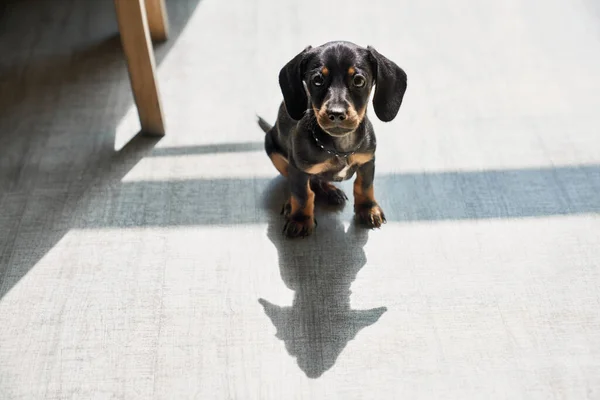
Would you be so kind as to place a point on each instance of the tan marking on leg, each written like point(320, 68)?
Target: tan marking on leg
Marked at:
point(309, 207)
point(300, 221)
point(363, 195)
point(360, 158)
point(366, 209)
point(280, 162)
point(319, 168)
point(295, 204)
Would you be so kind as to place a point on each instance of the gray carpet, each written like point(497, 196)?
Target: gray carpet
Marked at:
point(138, 268)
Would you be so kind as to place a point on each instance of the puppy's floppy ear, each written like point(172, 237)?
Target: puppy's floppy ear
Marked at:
point(390, 85)
point(290, 81)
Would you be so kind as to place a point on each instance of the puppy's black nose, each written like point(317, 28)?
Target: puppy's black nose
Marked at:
point(336, 114)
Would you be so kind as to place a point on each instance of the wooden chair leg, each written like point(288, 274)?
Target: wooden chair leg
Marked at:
point(135, 38)
point(158, 21)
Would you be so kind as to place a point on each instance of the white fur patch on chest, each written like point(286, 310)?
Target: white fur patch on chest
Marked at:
point(342, 174)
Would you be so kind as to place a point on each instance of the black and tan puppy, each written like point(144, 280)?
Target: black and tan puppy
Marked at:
point(322, 132)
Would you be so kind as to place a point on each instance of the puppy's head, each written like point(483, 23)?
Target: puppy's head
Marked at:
point(335, 80)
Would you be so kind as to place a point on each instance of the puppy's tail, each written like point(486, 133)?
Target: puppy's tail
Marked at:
point(264, 125)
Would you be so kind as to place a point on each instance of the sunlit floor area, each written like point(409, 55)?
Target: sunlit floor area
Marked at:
point(155, 268)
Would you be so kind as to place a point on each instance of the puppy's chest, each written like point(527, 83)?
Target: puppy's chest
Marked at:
point(342, 169)
point(335, 169)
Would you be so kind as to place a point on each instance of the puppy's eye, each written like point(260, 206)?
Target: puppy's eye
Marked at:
point(358, 81)
point(318, 80)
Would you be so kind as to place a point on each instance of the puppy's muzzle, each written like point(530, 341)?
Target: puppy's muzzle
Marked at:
point(337, 120)
point(337, 114)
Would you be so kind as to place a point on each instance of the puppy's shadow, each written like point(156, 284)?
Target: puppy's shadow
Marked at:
point(320, 270)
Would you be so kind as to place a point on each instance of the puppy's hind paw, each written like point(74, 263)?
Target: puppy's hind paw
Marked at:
point(286, 209)
point(330, 194)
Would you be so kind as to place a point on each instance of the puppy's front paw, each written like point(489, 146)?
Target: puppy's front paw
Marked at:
point(299, 225)
point(370, 215)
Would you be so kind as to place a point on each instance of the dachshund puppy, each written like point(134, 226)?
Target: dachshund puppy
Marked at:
point(322, 133)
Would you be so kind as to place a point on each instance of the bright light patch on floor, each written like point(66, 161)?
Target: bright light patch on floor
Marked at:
point(207, 166)
point(127, 128)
